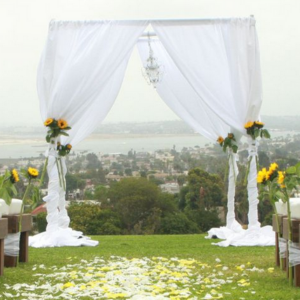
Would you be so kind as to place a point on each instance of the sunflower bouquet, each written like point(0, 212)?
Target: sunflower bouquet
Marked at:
point(63, 150)
point(56, 128)
point(7, 185)
point(255, 129)
point(229, 142)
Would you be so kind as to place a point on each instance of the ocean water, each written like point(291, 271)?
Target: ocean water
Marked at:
point(108, 145)
point(34, 147)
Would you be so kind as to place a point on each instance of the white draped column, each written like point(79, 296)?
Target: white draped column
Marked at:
point(252, 185)
point(231, 222)
point(79, 77)
point(232, 226)
point(63, 218)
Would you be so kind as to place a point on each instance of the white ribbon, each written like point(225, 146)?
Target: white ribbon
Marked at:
point(12, 244)
point(294, 254)
point(282, 247)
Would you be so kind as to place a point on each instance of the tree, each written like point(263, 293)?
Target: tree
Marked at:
point(133, 199)
point(101, 193)
point(74, 182)
point(93, 161)
point(205, 191)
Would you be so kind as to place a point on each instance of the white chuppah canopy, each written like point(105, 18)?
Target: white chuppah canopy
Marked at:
point(212, 82)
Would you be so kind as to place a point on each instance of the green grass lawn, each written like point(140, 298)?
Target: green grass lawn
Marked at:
point(246, 267)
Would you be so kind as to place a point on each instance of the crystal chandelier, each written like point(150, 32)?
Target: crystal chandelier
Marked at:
point(152, 70)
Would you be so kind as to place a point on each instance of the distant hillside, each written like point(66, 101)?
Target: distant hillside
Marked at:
point(163, 127)
point(282, 123)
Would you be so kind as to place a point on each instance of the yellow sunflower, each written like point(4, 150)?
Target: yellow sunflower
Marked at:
point(262, 176)
point(220, 140)
point(48, 122)
point(62, 124)
point(32, 172)
point(14, 176)
point(249, 125)
point(260, 124)
point(281, 177)
point(273, 167)
point(69, 146)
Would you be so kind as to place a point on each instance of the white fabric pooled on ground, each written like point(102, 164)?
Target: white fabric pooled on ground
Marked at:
point(59, 238)
point(225, 232)
point(254, 236)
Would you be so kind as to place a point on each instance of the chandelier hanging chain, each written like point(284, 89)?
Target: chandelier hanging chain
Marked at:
point(152, 71)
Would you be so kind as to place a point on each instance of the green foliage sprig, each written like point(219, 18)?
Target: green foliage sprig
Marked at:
point(7, 187)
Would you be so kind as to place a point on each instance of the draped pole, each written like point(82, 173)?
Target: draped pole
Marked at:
point(252, 184)
point(231, 222)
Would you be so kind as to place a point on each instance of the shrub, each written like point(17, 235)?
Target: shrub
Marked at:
point(177, 224)
point(41, 222)
point(90, 219)
point(204, 219)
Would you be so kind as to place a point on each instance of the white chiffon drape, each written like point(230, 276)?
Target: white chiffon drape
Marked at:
point(220, 61)
point(79, 77)
point(180, 96)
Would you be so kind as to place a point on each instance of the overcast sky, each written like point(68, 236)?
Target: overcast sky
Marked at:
point(24, 26)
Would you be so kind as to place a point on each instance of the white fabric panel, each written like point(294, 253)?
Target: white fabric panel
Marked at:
point(180, 96)
point(81, 71)
point(220, 60)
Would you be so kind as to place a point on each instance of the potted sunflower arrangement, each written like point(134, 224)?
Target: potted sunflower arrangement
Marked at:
point(281, 185)
point(18, 225)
